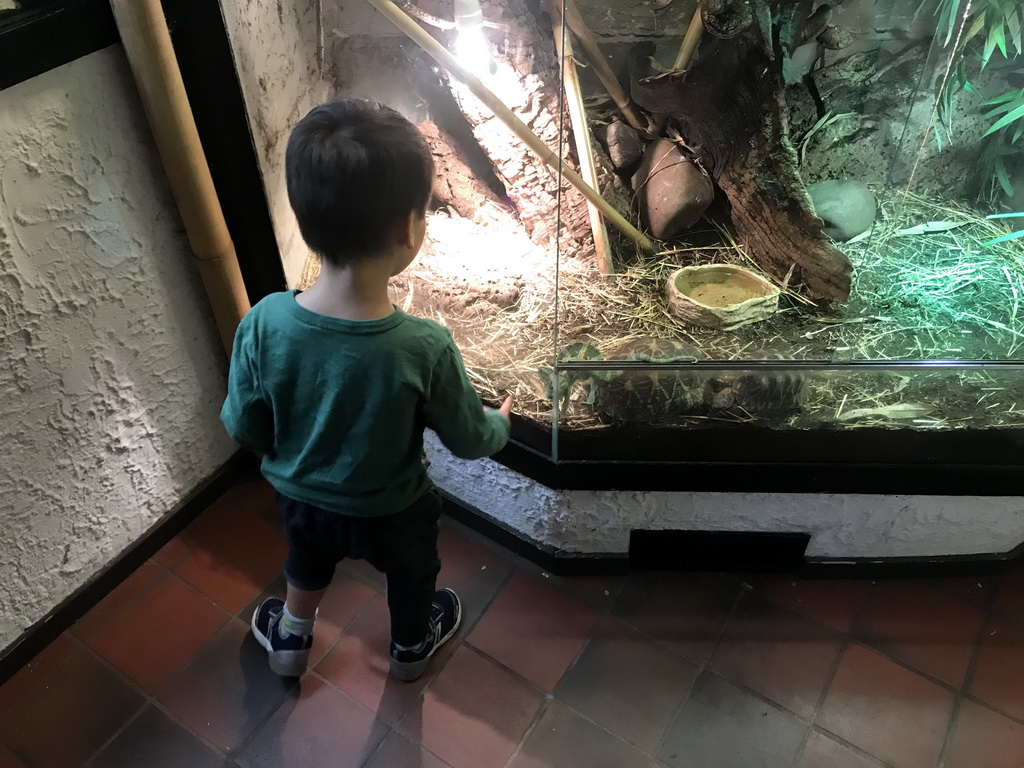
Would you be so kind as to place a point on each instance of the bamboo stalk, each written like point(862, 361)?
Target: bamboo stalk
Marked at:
point(441, 54)
point(581, 133)
point(147, 42)
point(690, 41)
point(600, 65)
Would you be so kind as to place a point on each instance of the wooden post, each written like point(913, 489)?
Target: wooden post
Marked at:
point(600, 65)
point(147, 41)
point(690, 41)
point(441, 54)
point(581, 133)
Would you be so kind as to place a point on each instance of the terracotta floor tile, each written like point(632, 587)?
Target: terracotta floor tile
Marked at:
point(563, 739)
point(171, 553)
point(721, 726)
point(111, 606)
point(396, 751)
point(1009, 599)
point(319, 728)
point(783, 656)
point(227, 690)
point(475, 572)
point(600, 592)
point(984, 739)
point(820, 751)
point(534, 629)
point(887, 710)
point(832, 602)
point(684, 611)
point(251, 499)
point(235, 563)
point(8, 759)
point(34, 675)
point(627, 683)
point(921, 627)
point(999, 668)
point(360, 570)
point(154, 740)
point(346, 598)
point(69, 716)
point(474, 714)
point(157, 635)
point(976, 591)
point(359, 662)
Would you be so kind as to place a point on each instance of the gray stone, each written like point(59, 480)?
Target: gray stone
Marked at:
point(671, 191)
point(846, 206)
point(624, 146)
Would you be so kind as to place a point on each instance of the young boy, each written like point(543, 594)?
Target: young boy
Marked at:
point(334, 385)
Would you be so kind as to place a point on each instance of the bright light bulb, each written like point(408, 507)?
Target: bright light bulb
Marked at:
point(471, 46)
point(473, 52)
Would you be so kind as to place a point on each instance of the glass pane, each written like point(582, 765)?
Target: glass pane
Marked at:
point(817, 185)
point(631, 414)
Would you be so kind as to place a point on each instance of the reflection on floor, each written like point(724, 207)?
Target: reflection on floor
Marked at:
point(645, 671)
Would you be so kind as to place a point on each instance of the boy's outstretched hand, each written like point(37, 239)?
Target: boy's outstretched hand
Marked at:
point(505, 409)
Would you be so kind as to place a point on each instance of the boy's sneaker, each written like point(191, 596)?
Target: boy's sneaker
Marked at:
point(288, 653)
point(445, 616)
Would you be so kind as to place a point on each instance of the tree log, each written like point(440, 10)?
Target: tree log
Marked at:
point(729, 112)
point(528, 82)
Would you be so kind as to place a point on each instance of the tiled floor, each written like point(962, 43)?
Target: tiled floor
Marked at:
point(650, 670)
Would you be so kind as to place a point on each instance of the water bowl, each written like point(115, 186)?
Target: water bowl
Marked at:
point(720, 296)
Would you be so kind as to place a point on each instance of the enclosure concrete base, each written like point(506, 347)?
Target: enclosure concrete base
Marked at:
point(841, 526)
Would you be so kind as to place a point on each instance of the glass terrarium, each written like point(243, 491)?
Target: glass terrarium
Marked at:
point(663, 219)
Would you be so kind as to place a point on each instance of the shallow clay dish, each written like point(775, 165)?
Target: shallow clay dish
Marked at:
point(720, 296)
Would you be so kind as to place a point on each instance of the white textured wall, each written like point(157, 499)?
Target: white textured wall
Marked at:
point(112, 373)
point(841, 526)
point(278, 52)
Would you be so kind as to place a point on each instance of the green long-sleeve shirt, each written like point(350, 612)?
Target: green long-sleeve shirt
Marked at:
point(338, 407)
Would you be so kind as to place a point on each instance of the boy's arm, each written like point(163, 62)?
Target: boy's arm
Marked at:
point(454, 411)
point(247, 416)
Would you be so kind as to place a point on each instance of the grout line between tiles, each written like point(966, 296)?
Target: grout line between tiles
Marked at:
point(965, 686)
point(701, 668)
point(124, 727)
point(534, 724)
point(850, 746)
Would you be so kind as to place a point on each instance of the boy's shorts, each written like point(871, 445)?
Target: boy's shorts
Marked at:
point(402, 545)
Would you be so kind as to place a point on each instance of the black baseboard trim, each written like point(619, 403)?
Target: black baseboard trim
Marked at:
point(953, 566)
point(47, 629)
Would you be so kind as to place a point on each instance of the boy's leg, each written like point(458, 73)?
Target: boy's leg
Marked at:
point(285, 627)
point(422, 619)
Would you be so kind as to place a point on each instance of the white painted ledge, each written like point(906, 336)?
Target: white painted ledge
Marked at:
point(840, 525)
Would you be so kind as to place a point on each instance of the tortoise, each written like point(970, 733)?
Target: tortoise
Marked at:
point(643, 395)
point(758, 392)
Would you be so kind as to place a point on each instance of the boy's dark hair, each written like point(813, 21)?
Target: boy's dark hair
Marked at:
point(355, 169)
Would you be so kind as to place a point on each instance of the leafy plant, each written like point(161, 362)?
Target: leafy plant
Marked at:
point(976, 31)
point(1013, 235)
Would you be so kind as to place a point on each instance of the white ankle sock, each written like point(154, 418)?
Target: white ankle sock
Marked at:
point(292, 625)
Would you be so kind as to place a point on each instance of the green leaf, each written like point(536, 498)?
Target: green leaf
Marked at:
point(1016, 114)
point(1012, 236)
point(951, 10)
point(969, 88)
point(995, 37)
point(1013, 25)
point(1002, 176)
point(976, 27)
point(1019, 215)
